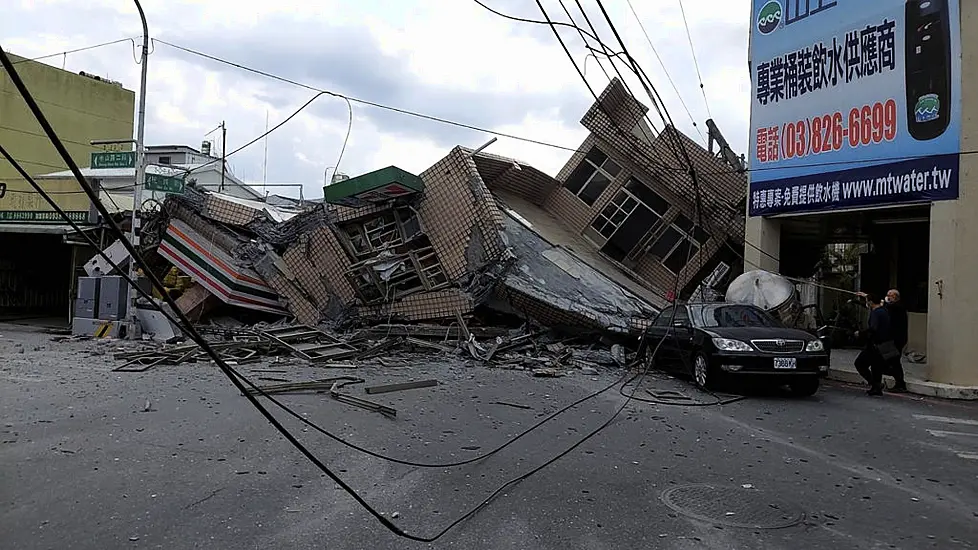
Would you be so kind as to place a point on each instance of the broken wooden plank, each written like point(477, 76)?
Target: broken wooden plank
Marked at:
point(385, 388)
point(334, 392)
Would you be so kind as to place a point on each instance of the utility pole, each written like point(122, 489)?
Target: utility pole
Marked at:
point(264, 163)
point(224, 151)
point(134, 328)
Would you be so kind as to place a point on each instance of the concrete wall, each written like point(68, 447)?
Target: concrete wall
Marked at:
point(762, 244)
point(79, 108)
point(952, 313)
point(917, 332)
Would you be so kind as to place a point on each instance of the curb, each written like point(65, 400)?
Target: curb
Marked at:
point(918, 387)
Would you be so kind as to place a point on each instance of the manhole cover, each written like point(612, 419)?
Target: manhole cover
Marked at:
point(732, 507)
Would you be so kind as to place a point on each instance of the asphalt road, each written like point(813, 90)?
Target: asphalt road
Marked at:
point(85, 464)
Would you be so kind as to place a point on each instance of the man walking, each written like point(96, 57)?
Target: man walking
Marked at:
point(870, 362)
point(898, 328)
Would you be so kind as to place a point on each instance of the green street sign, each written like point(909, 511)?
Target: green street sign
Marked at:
point(123, 159)
point(164, 184)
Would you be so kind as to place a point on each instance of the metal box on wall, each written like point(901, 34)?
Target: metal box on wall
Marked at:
point(113, 298)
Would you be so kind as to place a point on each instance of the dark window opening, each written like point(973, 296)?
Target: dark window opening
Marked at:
point(664, 318)
point(679, 243)
point(666, 242)
point(164, 160)
point(645, 194)
point(681, 255)
point(592, 176)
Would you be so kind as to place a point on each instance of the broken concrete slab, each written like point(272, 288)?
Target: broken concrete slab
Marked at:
point(557, 289)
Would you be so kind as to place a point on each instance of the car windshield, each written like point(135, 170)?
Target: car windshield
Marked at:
point(737, 316)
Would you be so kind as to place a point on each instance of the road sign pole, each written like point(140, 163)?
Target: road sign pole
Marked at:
point(134, 327)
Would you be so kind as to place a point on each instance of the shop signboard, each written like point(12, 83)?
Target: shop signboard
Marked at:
point(855, 104)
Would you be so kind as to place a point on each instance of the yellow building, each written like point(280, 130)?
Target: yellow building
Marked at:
point(37, 259)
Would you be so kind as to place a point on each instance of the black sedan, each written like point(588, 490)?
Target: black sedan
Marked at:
point(712, 342)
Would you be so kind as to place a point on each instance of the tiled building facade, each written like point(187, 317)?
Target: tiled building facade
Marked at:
point(631, 197)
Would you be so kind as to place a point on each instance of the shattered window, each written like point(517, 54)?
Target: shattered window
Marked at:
point(386, 230)
point(592, 176)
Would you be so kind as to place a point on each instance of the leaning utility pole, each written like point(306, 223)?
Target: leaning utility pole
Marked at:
point(134, 328)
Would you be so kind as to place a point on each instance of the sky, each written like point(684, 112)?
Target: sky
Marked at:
point(450, 59)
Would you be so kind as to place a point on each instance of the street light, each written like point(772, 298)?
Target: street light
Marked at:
point(134, 328)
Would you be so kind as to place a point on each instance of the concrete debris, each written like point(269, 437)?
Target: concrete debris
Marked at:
point(436, 252)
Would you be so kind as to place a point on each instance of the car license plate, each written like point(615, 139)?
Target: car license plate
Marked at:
point(785, 363)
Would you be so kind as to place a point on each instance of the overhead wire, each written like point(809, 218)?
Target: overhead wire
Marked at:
point(238, 380)
point(683, 155)
point(349, 128)
point(364, 101)
point(437, 119)
point(226, 369)
point(696, 63)
point(507, 135)
point(583, 39)
point(688, 239)
point(597, 99)
point(288, 410)
point(665, 70)
point(621, 77)
point(77, 50)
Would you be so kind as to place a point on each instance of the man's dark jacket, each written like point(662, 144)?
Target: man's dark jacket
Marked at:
point(879, 330)
point(898, 323)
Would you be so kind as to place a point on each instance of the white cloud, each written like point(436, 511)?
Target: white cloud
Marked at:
point(449, 58)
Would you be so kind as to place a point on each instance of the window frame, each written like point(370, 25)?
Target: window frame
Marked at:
point(596, 168)
point(598, 237)
point(685, 236)
point(594, 234)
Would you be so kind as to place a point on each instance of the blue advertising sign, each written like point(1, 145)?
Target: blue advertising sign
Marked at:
point(855, 103)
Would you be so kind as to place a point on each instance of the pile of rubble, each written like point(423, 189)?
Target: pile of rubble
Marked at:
point(272, 351)
point(384, 248)
point(543, 353)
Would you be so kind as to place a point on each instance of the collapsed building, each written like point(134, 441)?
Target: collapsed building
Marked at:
point(597, 248)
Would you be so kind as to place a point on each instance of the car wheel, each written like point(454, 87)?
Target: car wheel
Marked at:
point(805, 387)
point(702, 374)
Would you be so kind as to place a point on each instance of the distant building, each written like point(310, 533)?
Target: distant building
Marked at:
point(82, 108)
point(180, 154)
